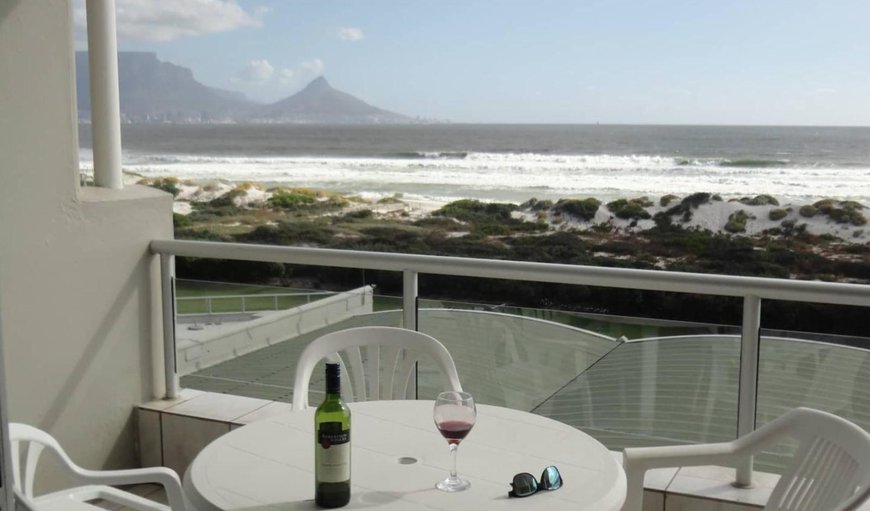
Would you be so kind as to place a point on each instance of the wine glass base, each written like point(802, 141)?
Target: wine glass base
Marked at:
point(453, 484)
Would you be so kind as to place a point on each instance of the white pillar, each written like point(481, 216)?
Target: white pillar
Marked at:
point(748, 385)
point(105, 98)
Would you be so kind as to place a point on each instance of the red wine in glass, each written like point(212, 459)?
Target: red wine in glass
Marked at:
point(454, 415)
point(454, 430)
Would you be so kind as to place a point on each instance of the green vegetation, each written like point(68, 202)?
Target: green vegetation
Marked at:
point(228, 199)
point(488, 218)
point(537, 205)
point(760, 200)
point(167, 184)
point(300, 199)
point(498, 231)
point(808, 211)
point(684, 209)
point(395, 199)
point(667, 199)
point(584, 209)
point(630, 209)
point(225, 297)
point(777, 214)
point(737, 221)
point(842, 212)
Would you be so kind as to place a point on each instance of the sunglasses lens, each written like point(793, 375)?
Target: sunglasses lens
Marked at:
point(524, 485)
point(551, 479)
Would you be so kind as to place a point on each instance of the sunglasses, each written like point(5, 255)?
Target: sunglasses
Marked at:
point(525, 484)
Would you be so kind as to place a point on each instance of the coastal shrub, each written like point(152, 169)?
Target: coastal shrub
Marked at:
point(857, 233)
point(300, 199)
point(475, 211)
point(684, 208)
point(394, 199)
point(434, 222)
point(584, 209)
point(842, 212)
point(630, 209)
point(289, 233)
point(534, 204)
point(777, 214)
point(167, 184)
point(737, 221)
point(760, 200)
point(808, 211)
point(181, 221)
point(559, 247)
point(205, 212)
point(603, 227)
point(667, 199)
point(790, 228)
point(359, 214)
point(292, 199)
point(695, 200)
point(716, 197)
point(228, 199)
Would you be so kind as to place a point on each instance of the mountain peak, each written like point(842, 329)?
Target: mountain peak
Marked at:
point(318, 84)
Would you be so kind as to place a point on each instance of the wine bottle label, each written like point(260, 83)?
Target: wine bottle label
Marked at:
point(333, 453)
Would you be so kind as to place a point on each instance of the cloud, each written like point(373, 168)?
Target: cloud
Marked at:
point(260, 79)
point(257, 71)
point(313, 67)
point(165, 20)
point(351, 34)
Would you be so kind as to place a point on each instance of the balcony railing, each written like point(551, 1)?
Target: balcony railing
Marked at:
point(752, 290)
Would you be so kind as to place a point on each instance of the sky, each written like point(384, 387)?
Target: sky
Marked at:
point(768, 62)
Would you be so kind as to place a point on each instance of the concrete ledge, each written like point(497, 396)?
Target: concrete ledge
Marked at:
point(198, 350)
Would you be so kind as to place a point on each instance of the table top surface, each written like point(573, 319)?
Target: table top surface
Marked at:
point(397, 456)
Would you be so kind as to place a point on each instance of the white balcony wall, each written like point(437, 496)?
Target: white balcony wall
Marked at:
point(78, 287)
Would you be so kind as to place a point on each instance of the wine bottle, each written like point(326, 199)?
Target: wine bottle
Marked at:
point(332, 445)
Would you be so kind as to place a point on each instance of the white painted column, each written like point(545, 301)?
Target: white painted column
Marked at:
point(748, 386)
point(409, 299)
point(167, 288)
point(105, 98)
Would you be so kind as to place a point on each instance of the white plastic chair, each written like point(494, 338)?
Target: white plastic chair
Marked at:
point(96, 484)
point(830, 470)
point(363, 349)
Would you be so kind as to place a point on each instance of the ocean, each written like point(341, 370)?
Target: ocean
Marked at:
point(510, 162)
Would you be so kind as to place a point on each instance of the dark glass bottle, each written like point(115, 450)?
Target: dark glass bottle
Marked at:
point(332, 445)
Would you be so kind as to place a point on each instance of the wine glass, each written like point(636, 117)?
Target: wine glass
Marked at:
point(454, 415)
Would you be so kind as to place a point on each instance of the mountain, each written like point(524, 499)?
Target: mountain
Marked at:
point(156, 91)
point(319, 102)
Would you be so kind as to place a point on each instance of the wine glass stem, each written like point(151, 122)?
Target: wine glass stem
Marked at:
point(453, 449)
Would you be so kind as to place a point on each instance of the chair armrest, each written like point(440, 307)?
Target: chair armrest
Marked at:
point(645, 458)
point(636, 461)
point(160, 475)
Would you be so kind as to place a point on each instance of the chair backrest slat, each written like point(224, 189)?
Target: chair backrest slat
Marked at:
point(393, 350)
point(389, 355)
point(831, 464)
point(357, 374)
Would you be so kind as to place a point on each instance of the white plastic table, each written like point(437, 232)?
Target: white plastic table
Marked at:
point(397, 456)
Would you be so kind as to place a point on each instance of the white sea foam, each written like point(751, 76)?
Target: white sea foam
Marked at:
point(517, 176)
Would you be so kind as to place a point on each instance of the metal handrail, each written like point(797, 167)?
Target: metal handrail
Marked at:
point(626, 278)
point(752, 289)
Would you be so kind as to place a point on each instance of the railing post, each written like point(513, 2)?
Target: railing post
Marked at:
point(409, 318)
point(105, 97)
point(409, 299)
point(748, 389)
point(167, 284)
